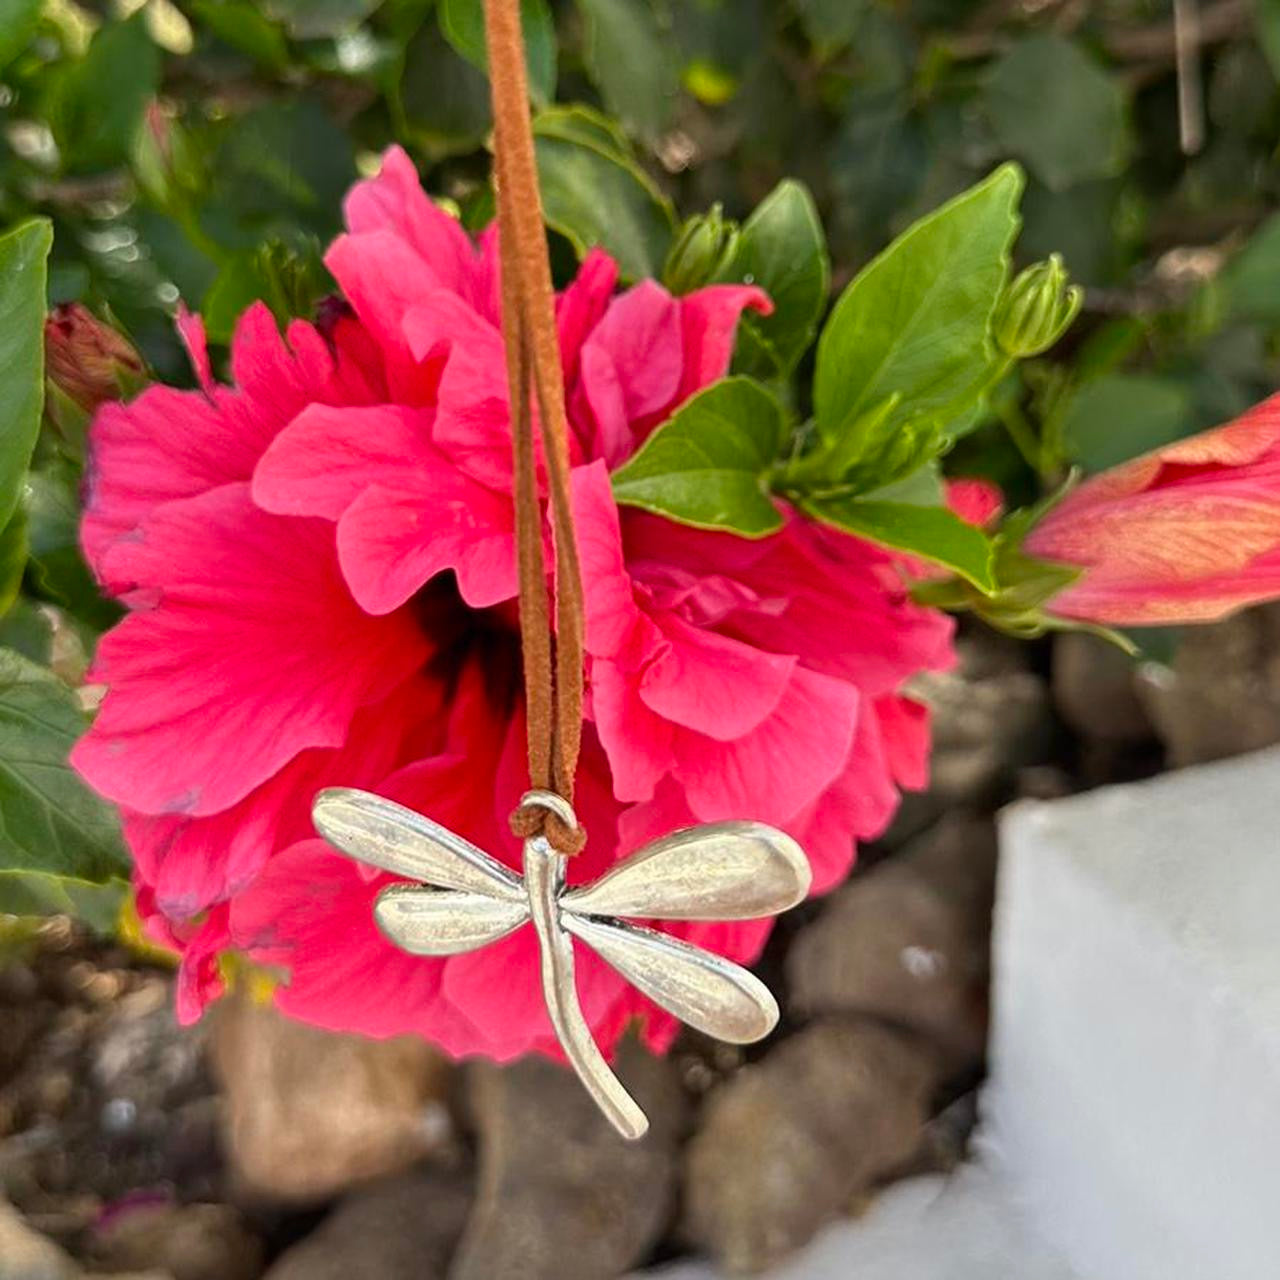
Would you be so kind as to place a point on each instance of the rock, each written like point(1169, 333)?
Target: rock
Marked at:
point(402, 1228)
point(1134, 1098)
point(787, 1144)
point(908, 940)
point(966, 1226)
point(1221, 696)
point(189, 1242)
point(991, 717)
point(1095, 689)
point(27, 1255)
point(107, 1092)
point(561, 1195)
point(310, 1113)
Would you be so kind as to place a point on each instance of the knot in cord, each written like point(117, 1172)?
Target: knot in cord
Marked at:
point(545, 814)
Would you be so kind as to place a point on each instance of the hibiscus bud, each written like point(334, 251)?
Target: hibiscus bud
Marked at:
point(1188, 533)
point(165, 161)
point(703, 248)
point(87, 360)
point(1036, 309)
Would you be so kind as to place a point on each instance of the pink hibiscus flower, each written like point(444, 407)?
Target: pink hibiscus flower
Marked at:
point(1186, 533)
point(319, 567)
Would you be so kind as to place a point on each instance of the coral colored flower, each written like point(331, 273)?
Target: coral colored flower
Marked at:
point(1187, 533)
point(319, 566)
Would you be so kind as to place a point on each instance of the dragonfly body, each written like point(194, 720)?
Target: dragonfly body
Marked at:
point(465, 899)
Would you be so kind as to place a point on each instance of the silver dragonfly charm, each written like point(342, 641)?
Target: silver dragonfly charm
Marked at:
point(467, 899)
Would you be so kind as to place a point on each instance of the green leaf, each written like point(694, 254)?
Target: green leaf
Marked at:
point(18, 21)
point(633, 62)
point(99, 102)
point(933, 533)
point(782, 249)
point(1056, 109)
point(33, 893)
point(13, 558)
point(831, 24)
point(1119, 415)
point(315, 19)
point(58, 567)
point(708, 465)
point(26, 629)
point(290, 278)
point(1251, 280)
point(462, 22)
point(285, 165)
point(1267, 16)
point(49, 820)
point(243, 27)
point(23, 257)
point(916, 321)
point(595, 194)
point(442, 99)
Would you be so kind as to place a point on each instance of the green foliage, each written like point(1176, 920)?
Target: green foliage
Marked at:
point(97, 104)
point(462, 22)
point(1118, 415)
point(18, 22)
point(929, 531)
point(594, 192)
point(50, 822)
point(1057, 110)
point(709, 464)
point(916, 322)
point(33, 893)
point(782, 249)
point(628, 58)
point(22, 289)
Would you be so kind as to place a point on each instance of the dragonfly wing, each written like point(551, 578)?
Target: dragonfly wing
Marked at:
point(708, 992)
point(720, 871)
point(444, 922)
point(386, 835)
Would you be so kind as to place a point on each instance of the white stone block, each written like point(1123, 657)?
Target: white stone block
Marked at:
point(962, 1227)
point(1135, 1095)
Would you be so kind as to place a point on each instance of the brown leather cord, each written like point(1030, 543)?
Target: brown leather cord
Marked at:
point(553, 700)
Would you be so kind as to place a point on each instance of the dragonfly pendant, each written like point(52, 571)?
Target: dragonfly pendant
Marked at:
point(466, 899)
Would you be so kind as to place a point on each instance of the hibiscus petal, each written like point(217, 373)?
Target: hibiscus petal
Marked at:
point(640, 744)
point(708, 328)
point(473, 418)
point(311, 913)
point(190, 327)
point(191, 863)
point(781, 766)
point(640, 336)
point(327, 457)
point(168, 444)
point(383, 278)
point(393, 540)
point(708, 682)
point(582, 304)
point(611, 612)
point(394, 201)
point(233, 673)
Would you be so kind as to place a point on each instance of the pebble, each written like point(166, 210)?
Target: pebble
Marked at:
point(1221, 695)
point(907, 941)
point(310, 1113)
point(400, 1228)
point(1095, 689)
point(793, 1141)
point(189, 1242)
point(561, 1196)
